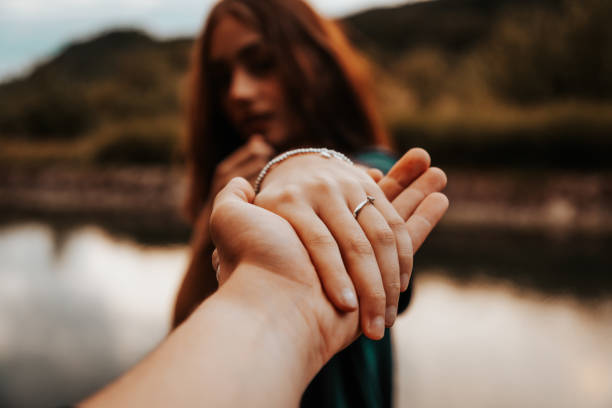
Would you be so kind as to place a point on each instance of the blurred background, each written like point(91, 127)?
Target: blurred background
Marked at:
point(513, 299)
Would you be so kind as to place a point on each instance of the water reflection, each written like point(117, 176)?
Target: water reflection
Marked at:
point(73, 317)
point(77, 310)
point(495, 345)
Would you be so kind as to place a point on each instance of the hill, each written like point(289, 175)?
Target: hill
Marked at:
point(454, 26)
point(488, 78)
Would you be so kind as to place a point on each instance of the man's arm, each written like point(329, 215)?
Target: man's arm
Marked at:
point(260, 339)
point(249, 344)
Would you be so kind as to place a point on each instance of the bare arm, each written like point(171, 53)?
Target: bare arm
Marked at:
point(199, 281)
point(247, 345)
point(259, 340)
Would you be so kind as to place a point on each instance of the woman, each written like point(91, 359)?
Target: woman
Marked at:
point(268, 75)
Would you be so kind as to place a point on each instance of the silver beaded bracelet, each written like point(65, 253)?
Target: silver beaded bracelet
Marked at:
point(327, 153)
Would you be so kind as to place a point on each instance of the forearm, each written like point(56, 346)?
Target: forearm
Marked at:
point(248, 345)
point(199, 281)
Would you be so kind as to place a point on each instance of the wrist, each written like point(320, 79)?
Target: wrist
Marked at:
point(282, 311)
point(320, 152)
point(247, 345)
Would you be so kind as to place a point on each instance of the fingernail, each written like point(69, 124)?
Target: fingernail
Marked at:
point(390, 314)
point(377, 327)
point(349, 298)
point(404, 281)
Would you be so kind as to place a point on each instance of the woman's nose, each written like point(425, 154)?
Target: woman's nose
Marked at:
point(243, 87)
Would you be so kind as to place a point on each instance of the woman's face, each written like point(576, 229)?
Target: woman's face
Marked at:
point(243, 69)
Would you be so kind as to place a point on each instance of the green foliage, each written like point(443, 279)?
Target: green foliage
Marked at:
point(142, 142)
point(53, 111)
point(472, 80)
point(451, 26)
point(567, 136)
point(116, 77)
point(542, 54)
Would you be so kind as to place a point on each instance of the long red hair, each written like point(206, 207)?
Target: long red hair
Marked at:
point(326, 84)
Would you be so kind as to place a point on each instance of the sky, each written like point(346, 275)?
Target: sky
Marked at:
point(33, 30)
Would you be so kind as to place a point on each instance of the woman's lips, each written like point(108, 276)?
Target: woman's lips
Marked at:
point(256, 124)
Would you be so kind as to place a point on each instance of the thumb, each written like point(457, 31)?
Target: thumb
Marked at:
point(237, 190)
point(228, 215)
point(227, 207)
point(256, 138)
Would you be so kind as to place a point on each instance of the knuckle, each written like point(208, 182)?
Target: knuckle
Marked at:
point(361, 247)
point(376, 298)
point(289, 194)
point(404, 243)
point(275, 198)
point(322, 240)
point(397, 224)
point(393, 289)
point(349, 184)
point(384, 236)
point(369, 184)
point(416, 193)
point(323, 185)
point(405, 251)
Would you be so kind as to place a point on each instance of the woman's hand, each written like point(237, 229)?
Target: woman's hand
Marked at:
point(248, 235)
point(317, 196)
point(246, 162)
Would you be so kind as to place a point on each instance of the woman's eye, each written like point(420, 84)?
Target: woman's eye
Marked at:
point(259, 62)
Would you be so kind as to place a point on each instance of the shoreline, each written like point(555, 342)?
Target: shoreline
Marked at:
point(149, 198)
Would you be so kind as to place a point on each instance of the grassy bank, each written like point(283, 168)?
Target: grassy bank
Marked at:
point(560, 136)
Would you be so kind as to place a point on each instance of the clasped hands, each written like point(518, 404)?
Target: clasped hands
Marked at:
point(300, 279)
point(300, 227)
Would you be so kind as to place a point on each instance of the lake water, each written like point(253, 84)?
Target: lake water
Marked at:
point(80, 307)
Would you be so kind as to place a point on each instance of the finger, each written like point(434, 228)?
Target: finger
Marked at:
point(231, 200)
point(425, 218)
point(412, 164)
point(324, 253)
point(376, 174)
point(382, 239)
point(429, 182)
point(237, 190)
point(400, 231)
point(360, 262)
point(256, 147)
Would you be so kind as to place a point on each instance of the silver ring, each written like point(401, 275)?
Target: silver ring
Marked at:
point(368, 200)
